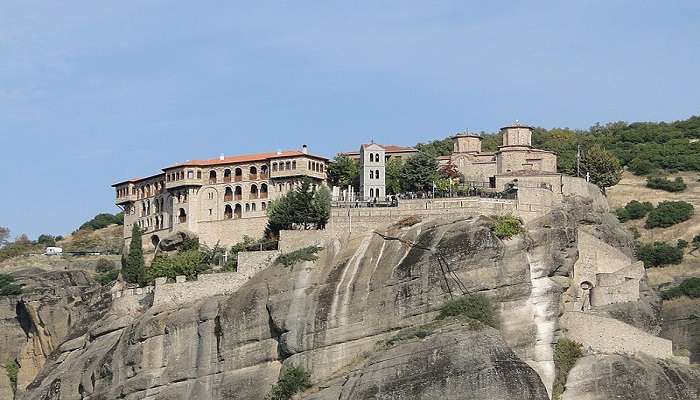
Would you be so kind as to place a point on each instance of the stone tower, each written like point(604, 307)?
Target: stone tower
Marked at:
point(517, 135)
point(467, 143)
point(372, 172)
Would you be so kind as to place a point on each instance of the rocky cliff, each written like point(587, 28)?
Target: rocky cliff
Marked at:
point(339, 318)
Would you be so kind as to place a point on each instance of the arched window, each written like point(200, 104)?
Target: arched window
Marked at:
point(376, 157)
point(253, 192)
point(294, 165)
point(237, 211)
point(287, 165)
point(228, 194)
point(371, 157)
point(252, 207)
point(263, 191)
point(274, 167)
point(371, 193)
point(376, 174)
point(371, 174)
point(212, 177)
point(247, 207)
point(263, 172)
point(253, 173)
point(227, 175)
point(238, 194)
point(228, 212)
point(182, 216)
point(309, 165)
point(237, 174)
point(263, 206)
point(199, 174)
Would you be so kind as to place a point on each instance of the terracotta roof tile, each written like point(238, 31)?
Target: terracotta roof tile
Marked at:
point(244, 158)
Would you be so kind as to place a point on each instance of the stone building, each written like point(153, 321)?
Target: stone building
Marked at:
point(391, 151)
point(220, 200)
point(372, 171)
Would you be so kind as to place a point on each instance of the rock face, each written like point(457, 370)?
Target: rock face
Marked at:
point(53, 305)
point(603, 377)
point(331, 316)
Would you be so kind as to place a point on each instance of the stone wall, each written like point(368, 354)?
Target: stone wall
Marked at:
point(250, 262)
point(134, 299)
point(295, 240)
point(607, 335)
point(229, 232)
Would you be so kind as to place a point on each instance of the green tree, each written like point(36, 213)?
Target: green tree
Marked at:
point(419, 172)
point(437, 148)
point(321, 206)
point(292, 381)
point(4, 235)
point(343, 171)
point(303, 207)
point(669, 213)
point(46, 240)
point(133, 268)
point(103, 220)
point(8, 287)
point(604, 168)
point(188, 263)
point(393, 175)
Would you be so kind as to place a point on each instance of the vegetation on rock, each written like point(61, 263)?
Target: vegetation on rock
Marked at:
point(476, 306)
point(297, 256)
point(507, 226)
point(103, 220)
point(133, 268)
point(689, 287)
point(668, 213)
point(20, 246)
point(566, 353)
point(659, 254)
point(8, 287)
point(12, 369)
point(634, 210)
point(659, 182)
point(602, 165)
point(188, 263)
point(292, 381)
point(302, 208)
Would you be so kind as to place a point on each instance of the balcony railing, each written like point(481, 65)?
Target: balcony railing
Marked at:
point(253, 177)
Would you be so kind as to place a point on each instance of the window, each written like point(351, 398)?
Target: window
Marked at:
point(263, 191)
point(247, 207)
point(253, 192)
point(228, 194)
point(237, 211)
point(252, 207)
point(212, 177)
point(227, 175)
point(199, 174)
point(263, 206)
point(371, 193)
point(287, 165)
point(274, 167)
point(238, 194)
point(182, 216)
point(376, 174)
point(211, 211)
point(371, 157)
point(228, 212)
point(190, 174)
point(294, 165)
point(376, 157)
point(371, 174)
point(253, 173)
point(237, 174)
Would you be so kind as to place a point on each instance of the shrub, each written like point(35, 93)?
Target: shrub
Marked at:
point(104, 265)
point(8, 287)
point(566, 353)
point(634, 210)
point(682, 244)
point(507, 226)
point(669, 213)
point(189, 243)
point(411, 333)
point(186, 263)
point(296, 256)
point(658, 254)
point(304, 207)
point(661, 183)
point(689, 287)
point(641, 167)
point(107, 277)
point(12, 369)
point(46, 240)
point(477, 307)
point(292, 381)
point(696, 241)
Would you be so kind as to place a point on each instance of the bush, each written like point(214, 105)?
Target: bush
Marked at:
point(46, 240)
point(292, 381)
point(507, 226)
point(302, 208)
point(696, 241)
point(634, 210)
point(296, 256)
point(107, 277)
point(477, 307)
point(658, 182)
point(641, 167)
point(669, 213)
point(689, 287)
point(682, 244)
point(566, 353)
point(104, 265)
point(8, 287)
point(189, 243)
point(103, 220)
point(12, 369)
point(186, 263)
point(658, 254)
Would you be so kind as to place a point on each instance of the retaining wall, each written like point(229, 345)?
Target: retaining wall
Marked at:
point(295, 240)
point(607, 335)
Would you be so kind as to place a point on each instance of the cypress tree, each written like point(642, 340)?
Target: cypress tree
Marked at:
point(133, 268)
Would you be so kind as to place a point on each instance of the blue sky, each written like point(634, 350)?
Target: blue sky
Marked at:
point(94, 92)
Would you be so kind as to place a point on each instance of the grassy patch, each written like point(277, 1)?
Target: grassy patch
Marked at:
point(292, 381)
point(306, 254)
point(507, 226)
point(8, 287)
point(566, 353)
point(12, 369)
point(689, 287)
point(477, 307)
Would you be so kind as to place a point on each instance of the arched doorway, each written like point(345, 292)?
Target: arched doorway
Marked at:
point(155, 240)
point(253, 191)
point(182, 216)
point(237, 211)
point(227, 175)
point(228, 194)
point(263, 191)
point(228, 212)
point(238, 175)
point(212, 177)
point(253, 173)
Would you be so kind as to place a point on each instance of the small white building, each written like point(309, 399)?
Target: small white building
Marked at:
point(372, 171)
point(53, 251)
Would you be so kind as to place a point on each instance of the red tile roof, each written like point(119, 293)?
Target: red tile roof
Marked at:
point(389, 148)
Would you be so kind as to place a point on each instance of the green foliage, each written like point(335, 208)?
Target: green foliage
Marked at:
point(105, 278)
point(437, 148)
point(689, 287)
point(641, 167)
point(297, 256)
point(8, 287)
point(566, 353)
point(103, 220)
point(419, 172)
point(12, 369)
point(133, 268)
point(659, 182)
point(634, 210)
point(343, 171)
point(46, 240)
point(292, 381)
point(189, 243)
point(104, 265)
point(506, 226)
point(696, 242)
point(419, 332)
point(188, 263)
point(602, 165)
point(20, 246)
point(669, 213)
point(301, 208)
point(682, 244)
point(477, 307)
point(393, 175)
point(658, 254)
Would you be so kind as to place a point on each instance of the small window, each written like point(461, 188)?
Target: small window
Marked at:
point(371, 174)
point(190, 175)
point(371, 157)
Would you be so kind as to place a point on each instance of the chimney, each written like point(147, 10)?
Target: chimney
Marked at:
point(221, 157)
point(305, 149)
point(279, 152)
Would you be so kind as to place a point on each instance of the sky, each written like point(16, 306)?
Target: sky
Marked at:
point(92, 93)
